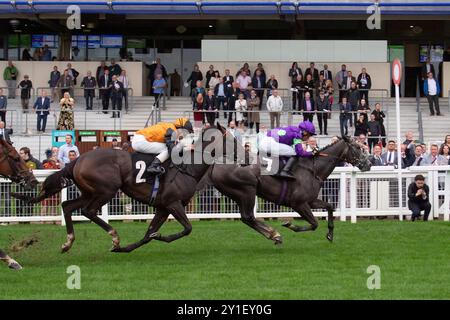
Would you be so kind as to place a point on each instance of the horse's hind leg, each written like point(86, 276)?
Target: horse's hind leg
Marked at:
point(303, 210)
point(319, 204)
point(152, 232)
point(68, 207)
point(12, 264)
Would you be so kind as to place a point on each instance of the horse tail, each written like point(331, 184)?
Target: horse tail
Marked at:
point(52, 184)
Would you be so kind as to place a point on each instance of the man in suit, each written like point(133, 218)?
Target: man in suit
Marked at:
point(432, 89)
point(418, 156)
point(434, 158)
point(407, 156)
point(364, 84)
point(427, 67)
point(155, 69)
point(116, 96)
point(313, 72)
point(340, 80)
point(114, 68)
point(42, 109)
point(327, 75)
point(101, 70)
point(3, 105)
point(65, 83)
point(345, 115)
point(228, 79)
point(235, 132)
point(89, 83)
point(418, 198)
point(390, 158)
point(5, 133)
point(375, 158)
point(347, 81)
point(221, 94)
point(73, 73)
point(104, 84)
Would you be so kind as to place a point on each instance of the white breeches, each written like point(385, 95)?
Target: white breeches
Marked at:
point(269, 145)
point(140, 144)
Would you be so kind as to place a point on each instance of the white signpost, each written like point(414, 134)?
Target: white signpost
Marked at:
point(397, 78)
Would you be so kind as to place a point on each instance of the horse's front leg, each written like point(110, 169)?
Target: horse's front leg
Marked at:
point(320, 204)
point(304, 210)
point(177, 210)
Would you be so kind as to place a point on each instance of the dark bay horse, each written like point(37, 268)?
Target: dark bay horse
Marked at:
point(100, 173)
point(12, 167)
point(243, 184)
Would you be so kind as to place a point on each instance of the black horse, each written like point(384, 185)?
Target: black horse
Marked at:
point(100, 173)
point(14, 168)
point(243, 184)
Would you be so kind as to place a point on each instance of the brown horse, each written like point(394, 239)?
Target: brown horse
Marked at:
point(12, 167)
point(100, 173)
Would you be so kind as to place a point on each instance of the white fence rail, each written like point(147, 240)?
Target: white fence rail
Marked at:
point(353, 194)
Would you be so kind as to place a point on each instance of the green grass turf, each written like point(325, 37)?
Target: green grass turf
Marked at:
point(228, 260)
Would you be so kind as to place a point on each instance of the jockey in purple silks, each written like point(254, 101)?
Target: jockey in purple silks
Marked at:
point(288, 142)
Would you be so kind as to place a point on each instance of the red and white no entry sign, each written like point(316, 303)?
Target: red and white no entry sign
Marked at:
point(397, 72)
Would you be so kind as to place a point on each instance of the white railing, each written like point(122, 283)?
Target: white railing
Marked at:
point(354, 195)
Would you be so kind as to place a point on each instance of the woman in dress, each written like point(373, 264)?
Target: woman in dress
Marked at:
point(65, 121)
point(241, 108)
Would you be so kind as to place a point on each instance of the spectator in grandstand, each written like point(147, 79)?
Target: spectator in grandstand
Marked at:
point(114, 68)
point(375, 158)
point(73, 155)
point(228, 79)
point(445, 152)
point(309, 85)
point(10, 75)
point(114, 144)
point(196, 75)
point(89, 83)
point(105, 86)
point(198, 102)
point(379, 117)
point(26, 55)
point(25, 87)
point(154, 69)
point(37, 55)
point(434, 158)
point(446, 141)
point(364, 109)
point(245, 68)
point(101, 70)
point(42, 108)
point(209, 75)
point(320, 86)
point(345, 115)
point(244, 82)
point(221, 94)
point(327, 75)
point(364, 84)
point(312, 71)
point(407, 156)
point(418, 156)
point(65, 83)
point(46, 54)
point(210, 107)
point(53, 83)
point(254, 103)
point(390, 156)
point(233, 95)
point(297, 92)
point(65, 121)
point(260, 68)
point(63, 154)
point(116, 96)
point(241, 111)
point(340, 76)
point(274, 106)
point(235, 132)
point(362, 139)
point(409, 140)
point(432, 89)
point(50, 162)
point(353, 97)
point(126, 87)
point(3, 105)
point(294, 72)
point(308, 107)
point(418, 198)
point(50, 205)
point(159, 85)
point(271, 85)
point(73, 73)
point(258, 84)
point(361, 127)
point(373, 131)
point(329, 91)
point(427, 68)
point(424, 148)
point(5, 133)
point(30, 161)
point(215, 79)
point(347, 82)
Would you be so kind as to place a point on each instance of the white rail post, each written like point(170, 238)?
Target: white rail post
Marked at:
point(353, 196)
point(343, 196)
point(434, 190)
point(63, 198)
point(447, 196)
point(104, 214)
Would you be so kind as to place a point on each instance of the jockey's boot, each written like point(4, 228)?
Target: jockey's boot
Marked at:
point(156, 167)
point(286, 172)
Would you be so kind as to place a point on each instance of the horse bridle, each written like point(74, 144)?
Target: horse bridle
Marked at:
point(356, 161)
point(17, 174)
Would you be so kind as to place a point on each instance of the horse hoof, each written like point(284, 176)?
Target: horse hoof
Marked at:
point(286, 224)
point(155, 235)
point(116, 249)
point(278, 240)
point(15, 266)
point(330, 237)
point(65, 248)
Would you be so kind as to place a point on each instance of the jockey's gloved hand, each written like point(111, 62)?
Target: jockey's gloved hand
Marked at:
point(315, 151)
